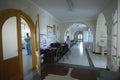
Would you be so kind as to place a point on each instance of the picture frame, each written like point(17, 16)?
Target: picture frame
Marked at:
point(49, 31)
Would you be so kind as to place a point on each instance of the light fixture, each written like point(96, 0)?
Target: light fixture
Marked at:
point(70, 4)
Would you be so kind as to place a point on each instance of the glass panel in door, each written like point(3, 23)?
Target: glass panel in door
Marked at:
point(9, 38)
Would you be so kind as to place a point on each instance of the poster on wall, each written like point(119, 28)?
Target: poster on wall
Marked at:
point(43, 41)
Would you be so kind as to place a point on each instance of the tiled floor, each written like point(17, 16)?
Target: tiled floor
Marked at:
point(79, 56)
point(99, 61)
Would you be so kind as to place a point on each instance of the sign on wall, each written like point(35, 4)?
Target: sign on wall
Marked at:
point(43, 41)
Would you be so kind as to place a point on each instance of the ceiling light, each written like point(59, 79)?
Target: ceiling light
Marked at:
point(70, 4)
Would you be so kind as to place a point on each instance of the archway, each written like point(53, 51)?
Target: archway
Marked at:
point(101, 40)
point(78, 53)
point(101, 32)
point(76, 28)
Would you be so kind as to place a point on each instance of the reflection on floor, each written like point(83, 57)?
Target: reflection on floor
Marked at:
point(27, 62)
point(75, 56)
point(79, 56)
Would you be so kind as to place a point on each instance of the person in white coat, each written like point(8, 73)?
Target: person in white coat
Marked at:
point(68, 41)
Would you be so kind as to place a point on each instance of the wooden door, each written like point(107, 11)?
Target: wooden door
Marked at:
point(10, 39)
point(11, 67)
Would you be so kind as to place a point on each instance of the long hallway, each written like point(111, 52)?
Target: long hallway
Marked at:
point(80, 54)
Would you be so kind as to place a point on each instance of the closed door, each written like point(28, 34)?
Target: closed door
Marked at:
point(10, 50)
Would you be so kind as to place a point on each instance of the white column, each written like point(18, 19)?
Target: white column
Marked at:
point(118, 46)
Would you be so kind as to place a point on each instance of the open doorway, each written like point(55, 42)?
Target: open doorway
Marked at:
point(26, 47)
point(80, 36)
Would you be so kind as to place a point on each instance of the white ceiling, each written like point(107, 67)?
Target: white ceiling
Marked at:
point(82, 9)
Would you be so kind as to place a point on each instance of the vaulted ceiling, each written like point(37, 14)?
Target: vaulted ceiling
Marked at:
point(73, 10)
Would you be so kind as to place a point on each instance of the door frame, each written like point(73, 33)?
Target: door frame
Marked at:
point(5, 14)
point(37, 45)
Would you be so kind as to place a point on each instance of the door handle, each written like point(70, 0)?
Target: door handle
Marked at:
point(19, 50)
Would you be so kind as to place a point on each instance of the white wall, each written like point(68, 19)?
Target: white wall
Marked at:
point(85, 36)
point(32, 10)
point(47, 20)
point(90, 36)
